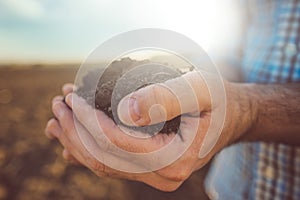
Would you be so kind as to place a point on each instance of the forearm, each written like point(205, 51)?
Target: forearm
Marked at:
point(274, 112)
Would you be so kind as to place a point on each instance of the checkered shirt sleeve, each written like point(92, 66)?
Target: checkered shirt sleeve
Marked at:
point(272, 50)
point(271, 55)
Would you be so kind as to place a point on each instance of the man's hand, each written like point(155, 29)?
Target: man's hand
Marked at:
point(71, 125)
point(247, 114)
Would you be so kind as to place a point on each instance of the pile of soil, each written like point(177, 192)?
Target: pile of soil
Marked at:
point(121, 78)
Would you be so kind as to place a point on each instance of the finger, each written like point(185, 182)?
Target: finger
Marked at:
point(58, 98)
point(87, 115)
point(97, 123)
point(68, 88)
point(69, 157)
point(72, 141)
point(160, 102)
point(151, 178)
point(68, 131)
point(52, 129)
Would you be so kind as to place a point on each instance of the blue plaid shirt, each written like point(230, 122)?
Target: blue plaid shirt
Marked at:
point(271, 55)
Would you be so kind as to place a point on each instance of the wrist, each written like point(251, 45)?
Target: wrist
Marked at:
point(242, 110)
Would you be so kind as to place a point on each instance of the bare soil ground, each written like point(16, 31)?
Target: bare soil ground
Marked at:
point(31, 166)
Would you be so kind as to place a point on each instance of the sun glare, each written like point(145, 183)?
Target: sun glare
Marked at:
point(69, 30)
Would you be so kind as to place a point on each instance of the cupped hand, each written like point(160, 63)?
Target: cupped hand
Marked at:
point(88, 134)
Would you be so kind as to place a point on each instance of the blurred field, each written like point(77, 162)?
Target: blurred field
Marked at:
point(31, 166)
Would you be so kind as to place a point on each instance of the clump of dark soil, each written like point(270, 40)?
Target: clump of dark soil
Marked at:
point(120, 78)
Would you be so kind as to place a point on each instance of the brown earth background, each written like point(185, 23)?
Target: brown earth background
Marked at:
point(31, 166)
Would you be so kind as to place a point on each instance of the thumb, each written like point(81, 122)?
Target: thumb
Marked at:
point(164, 101)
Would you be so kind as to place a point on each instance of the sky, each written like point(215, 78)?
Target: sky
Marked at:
point(61, 31)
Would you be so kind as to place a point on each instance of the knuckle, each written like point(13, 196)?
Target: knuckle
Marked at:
point(179, 175)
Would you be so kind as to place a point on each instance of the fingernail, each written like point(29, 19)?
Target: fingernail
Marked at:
point(57, 98)
point(69, 100)
point(128, 110)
